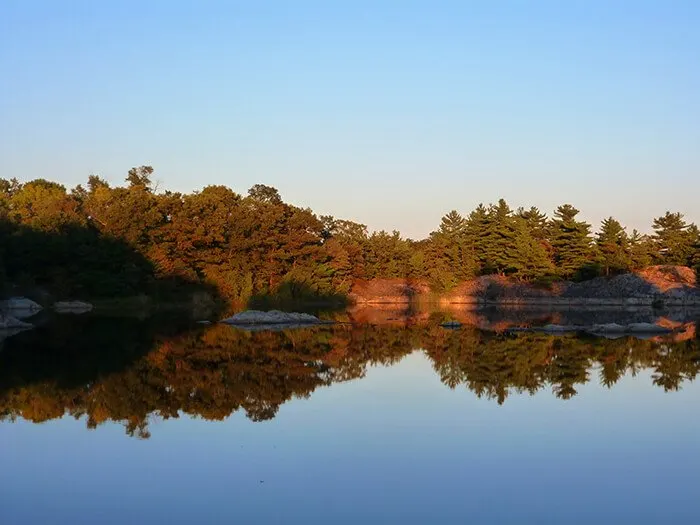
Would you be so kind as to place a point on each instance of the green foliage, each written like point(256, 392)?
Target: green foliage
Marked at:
point(111, 241)
point(508, 243)
point(571, 242)
point(614, 247)
point(674, 239)
point(641, 250)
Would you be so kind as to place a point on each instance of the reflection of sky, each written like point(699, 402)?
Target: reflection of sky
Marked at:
point(394, 447)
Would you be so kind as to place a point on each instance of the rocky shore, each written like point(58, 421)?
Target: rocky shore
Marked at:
point(657, 286)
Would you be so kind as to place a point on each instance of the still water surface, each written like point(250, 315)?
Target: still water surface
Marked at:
point(128, 421)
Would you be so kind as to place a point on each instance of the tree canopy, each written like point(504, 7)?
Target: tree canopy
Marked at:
point(104, 240)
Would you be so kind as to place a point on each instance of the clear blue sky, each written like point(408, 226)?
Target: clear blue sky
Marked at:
point(390, 113)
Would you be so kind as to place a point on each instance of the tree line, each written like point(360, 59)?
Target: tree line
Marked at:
point(102, 240)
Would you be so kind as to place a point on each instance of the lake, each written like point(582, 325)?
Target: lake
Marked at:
point(389, 420)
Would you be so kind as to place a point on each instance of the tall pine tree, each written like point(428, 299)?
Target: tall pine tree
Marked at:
point(613, 245)
point(572, 244)
point(673, 239)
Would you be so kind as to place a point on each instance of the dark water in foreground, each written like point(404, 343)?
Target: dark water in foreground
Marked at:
point(128, 421)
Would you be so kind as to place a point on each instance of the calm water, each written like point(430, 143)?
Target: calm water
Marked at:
point(397, 421)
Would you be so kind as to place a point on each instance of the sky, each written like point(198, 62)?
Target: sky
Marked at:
point(389, 113)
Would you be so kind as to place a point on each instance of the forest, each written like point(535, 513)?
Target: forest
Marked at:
point(102, 241)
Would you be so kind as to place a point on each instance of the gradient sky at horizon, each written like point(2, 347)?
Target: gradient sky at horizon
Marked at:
point(390, 113)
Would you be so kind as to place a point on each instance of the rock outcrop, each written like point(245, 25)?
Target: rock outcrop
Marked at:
point(273, 317)
point(653, 286)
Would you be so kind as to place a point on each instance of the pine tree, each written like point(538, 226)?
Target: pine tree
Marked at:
point(478, 234)
point(694, 259)
point(673, 239)
point(536, 222)
point(613, 245)
point(532, 260)
point(453, 225)
point(504, 243)
point(641, 250)
point(501, 243)
point(447, 255)
point(571, 242)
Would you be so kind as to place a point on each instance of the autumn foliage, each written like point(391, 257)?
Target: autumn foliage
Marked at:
point(100, 240)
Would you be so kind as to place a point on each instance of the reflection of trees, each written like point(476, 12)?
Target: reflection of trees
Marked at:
point(214, 372)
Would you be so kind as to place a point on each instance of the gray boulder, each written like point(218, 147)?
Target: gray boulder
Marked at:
point(451, 324)
point(273, 317)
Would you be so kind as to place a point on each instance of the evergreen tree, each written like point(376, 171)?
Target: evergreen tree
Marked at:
point(614, 248)
point(447, 255)
point(536, 222)
point(478, 234)
point(453, 226)
point(572, 244)
point(502, 241)
point(694, 258)
point(673, 239)
point(641, 250)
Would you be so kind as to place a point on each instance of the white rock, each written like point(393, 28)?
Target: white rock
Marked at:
point(254, 317)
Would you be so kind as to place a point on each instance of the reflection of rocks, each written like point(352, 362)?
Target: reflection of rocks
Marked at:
point(72, 307)
point(605, 329)
point(8, 322)
point(386, 315)
point(20, 307)
point(387, 291)
point(273, 317)
point(270, 327)
point(503, 318)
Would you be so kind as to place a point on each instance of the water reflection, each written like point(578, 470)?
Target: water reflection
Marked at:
point(133, 371)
